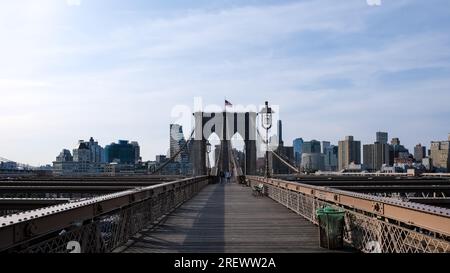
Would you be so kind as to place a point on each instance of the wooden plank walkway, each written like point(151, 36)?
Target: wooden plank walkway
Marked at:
point(228, 218)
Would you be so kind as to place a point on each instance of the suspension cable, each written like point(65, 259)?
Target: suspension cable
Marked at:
point(284, 161)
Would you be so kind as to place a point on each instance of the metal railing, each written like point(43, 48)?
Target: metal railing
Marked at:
point(94, 225)
point(372, 224)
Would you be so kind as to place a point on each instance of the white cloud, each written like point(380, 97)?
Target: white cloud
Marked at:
point(153, 64)
point(73, 2)
point(374, 2)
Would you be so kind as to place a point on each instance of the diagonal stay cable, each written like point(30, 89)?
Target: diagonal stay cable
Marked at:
point(175, 155)
point(283, 160)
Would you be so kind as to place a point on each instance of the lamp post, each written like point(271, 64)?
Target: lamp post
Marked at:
point(245, 160)
point(208, 146)
point(266, 122)
point(208, 151)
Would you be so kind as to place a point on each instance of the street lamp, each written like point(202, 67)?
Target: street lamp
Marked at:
point(266, 122)
point(208, 151)
point(245, 160)
point(208, 146)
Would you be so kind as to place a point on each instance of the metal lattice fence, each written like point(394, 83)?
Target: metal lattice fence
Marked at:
point(112, 230)
point(365, 233)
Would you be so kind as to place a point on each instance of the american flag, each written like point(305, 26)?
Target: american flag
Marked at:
point(227, 103)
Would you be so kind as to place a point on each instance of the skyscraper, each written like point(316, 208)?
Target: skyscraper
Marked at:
point(311, 147)
point(375, 155)
point(325, 146)
point(97, 153)
point(298, 149)
point(82, 153)
point(137, 151)
point(440, 155)
point(349, 151)
point(64, 156)
point(395, 141)
point(122, 152)
point(331, 158)
point(313, 162)
point(177, 142)
point(397, 151)
point(280, 133)
point(419, 152)
point(382, 137)
point(89, 151)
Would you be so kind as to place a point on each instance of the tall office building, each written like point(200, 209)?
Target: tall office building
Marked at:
point(122, 152)
point(89, 151)
point(137, 152)
point(161, 158)
point(419, 152)
point(280, 134)
point(177, 142)
point(325, 146)
point(97, 153)
point(440, 155)
point(278, 167)
point(312, 158)
point(82, 153)
point(382, 137)
point(395, 141)
point(298, 150)
point(397, 151)
point(64, 156)
point(375, 155)
point(313, 162)
point(88, 158)
point(349, 151)
point(311, 147)
point(331, 158)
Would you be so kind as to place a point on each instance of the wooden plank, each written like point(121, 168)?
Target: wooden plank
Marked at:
point(228, 218)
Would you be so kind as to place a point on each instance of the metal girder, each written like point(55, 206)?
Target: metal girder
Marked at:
point(372, 182)
point(395, 188)
point(30, 203)
point(423, 216)
point(372, 177)
point(63, 189)
point(140, 178)
point(81, 183)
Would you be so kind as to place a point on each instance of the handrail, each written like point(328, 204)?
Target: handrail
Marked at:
point(18, 228)
point(423, 216)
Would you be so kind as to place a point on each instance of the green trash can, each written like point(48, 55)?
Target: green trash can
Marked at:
point(331, 228)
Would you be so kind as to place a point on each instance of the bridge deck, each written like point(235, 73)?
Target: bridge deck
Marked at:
point(227, 218)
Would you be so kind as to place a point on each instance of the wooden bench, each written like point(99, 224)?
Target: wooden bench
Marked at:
point(258, 190)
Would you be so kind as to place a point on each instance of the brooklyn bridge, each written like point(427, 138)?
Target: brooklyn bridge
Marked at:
point(247, 213)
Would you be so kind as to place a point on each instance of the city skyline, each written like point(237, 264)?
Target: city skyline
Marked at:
point(335, 69)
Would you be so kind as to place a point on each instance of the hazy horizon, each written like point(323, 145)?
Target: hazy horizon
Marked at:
point(109, 69)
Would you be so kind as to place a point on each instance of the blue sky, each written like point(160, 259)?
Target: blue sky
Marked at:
point(114, 69)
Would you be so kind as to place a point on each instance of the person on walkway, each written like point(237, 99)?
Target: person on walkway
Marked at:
point(228, 177)
point(222, 177)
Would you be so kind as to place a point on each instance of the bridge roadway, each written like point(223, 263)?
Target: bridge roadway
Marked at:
point(228, 218)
